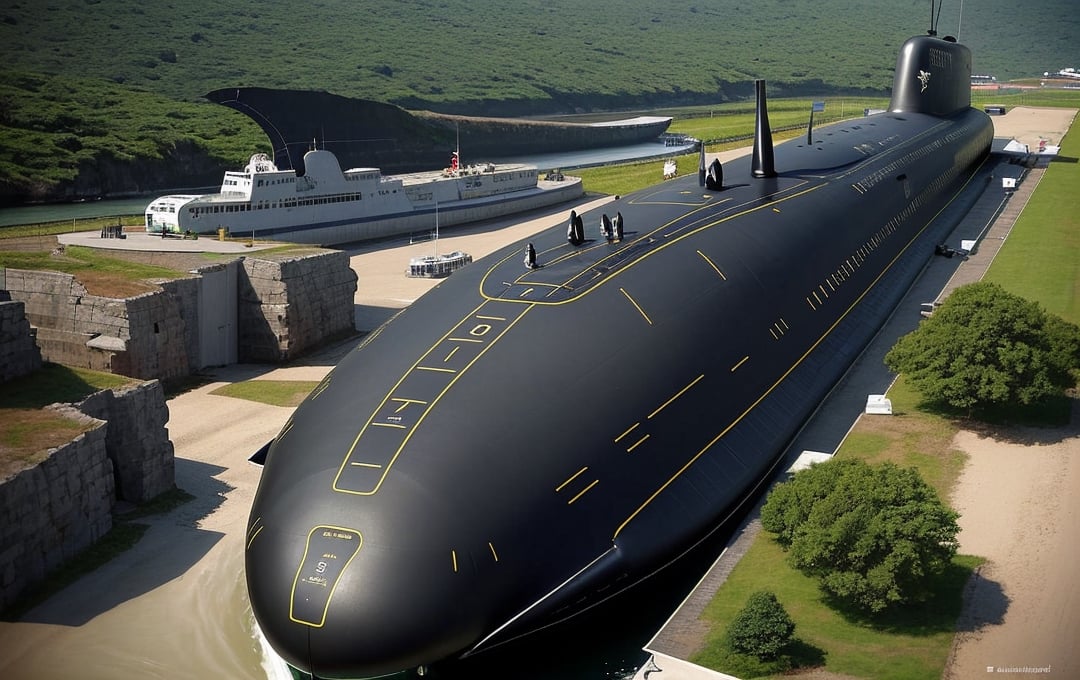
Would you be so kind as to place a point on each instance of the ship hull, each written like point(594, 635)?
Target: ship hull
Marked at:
point(522, 443)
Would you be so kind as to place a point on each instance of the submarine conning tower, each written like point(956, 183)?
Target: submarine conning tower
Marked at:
point(933, 76)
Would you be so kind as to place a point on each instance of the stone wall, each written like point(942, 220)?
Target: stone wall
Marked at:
point(137, 440)
point(291, 305)
point(144, 336)
point(19, 353)
point(285, 307)
point(54, 510)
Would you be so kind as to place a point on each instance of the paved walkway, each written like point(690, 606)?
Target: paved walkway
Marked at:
point(988, 221)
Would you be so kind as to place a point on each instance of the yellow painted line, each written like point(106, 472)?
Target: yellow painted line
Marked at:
point(528, 291)
point(817, 298)
point(677, 395)
point(252, 539)
point(453, 559)
point(636, 305)
point(285, 430)
point(405, 403)
point(638, 443)
point(493, 553)
point(463, 340)
point(451, 354)
point(436, 369)
point(786, 327)
point(712, 264)
point(773, 333)
point(831, 286)
point(582, 492)
point(572, 478)
point(632, 428)
point(811, 303)
point(490, 318)
point(375, 466)
point(393, 425)
point(320, 388)
point(741, 362)
point(797, 362)
point(823, 291)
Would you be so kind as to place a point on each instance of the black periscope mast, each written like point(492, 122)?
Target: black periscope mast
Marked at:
point(524, 442)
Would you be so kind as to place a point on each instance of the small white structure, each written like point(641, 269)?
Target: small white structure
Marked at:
point(670, 169)
point(878, 404)
point(806, 459)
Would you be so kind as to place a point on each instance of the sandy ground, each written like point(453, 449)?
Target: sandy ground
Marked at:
point(1019, 499)
point(174, 606)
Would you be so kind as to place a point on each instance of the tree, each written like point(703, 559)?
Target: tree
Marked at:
point(762, 628)
point(871, 535)
point(985, 347)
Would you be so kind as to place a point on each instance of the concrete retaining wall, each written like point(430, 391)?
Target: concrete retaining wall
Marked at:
point(54, 510)
point(19, 353)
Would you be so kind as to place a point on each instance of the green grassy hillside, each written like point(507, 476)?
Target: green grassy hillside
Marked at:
point(106, 93)
point(450, 53)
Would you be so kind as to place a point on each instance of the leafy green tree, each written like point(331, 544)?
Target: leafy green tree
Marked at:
point(762, 628)
point(871, 535)
point(987, 347)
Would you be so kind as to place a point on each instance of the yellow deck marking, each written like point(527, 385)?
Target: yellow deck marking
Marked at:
point(367, 465)
point(741, 362)
point(252, 539)
point(636, 305)
point(435, 368)
point(632, 428)
point(451, 354)
point(582, 492)
point(676, 395)
point(493, 553)
point(453, 559)
point(395, 425)
point(712, 264)
point(638, 443)
point(572, 478)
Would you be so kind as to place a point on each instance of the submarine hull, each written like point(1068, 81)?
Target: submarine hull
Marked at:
point(522, 443)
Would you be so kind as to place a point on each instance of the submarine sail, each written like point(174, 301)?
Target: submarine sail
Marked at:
point(523, 442)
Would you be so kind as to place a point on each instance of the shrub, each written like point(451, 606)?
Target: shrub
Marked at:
point(762, 629)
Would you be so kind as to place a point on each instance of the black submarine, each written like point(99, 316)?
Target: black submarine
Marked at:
point(526, 441)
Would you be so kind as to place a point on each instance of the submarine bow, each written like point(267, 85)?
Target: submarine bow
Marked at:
point(524, 442)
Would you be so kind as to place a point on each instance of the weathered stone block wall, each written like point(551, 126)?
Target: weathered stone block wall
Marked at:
point(291, 305)
point(54, 510)
point(145, 336)
point(137, 440)
point(19, 353)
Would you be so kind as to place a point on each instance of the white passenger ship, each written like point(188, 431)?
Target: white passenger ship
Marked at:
point(326, 206)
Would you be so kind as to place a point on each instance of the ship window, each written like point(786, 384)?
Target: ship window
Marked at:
point(260, 183)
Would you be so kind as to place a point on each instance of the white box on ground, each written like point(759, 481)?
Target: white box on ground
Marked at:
point(878, 404)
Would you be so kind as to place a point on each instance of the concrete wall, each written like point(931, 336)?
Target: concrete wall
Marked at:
point(52, 511)
point(19, 353)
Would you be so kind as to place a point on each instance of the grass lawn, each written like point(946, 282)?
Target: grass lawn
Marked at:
point(273, 392)
point(1041, 258)
point(27, 431)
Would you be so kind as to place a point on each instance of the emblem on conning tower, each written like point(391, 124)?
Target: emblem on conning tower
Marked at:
point(924, 78)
